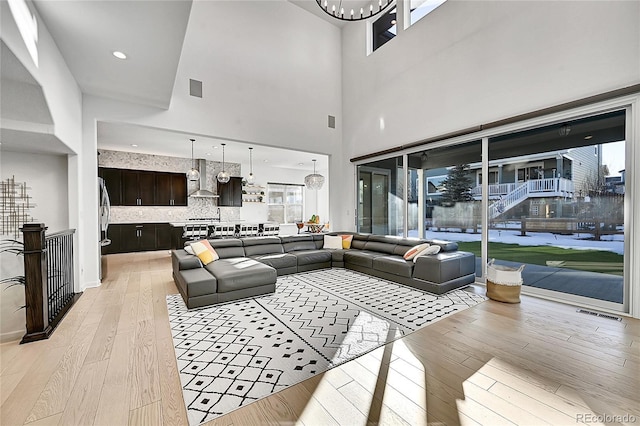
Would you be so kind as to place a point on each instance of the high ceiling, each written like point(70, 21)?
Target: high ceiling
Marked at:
point(149, 32)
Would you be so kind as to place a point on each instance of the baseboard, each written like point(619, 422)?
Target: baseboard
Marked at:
point(91, 284)
point(12, 336)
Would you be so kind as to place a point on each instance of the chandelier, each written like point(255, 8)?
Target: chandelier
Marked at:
point(314, 180)
point(335, 9)
point(193, 174)
point(223, 177)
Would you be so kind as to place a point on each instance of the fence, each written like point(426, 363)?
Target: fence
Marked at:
point(49, 287)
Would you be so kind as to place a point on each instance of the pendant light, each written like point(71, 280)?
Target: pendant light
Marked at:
point(223, 177)
point(251, 179)
point(315, 180)
point(193, 174)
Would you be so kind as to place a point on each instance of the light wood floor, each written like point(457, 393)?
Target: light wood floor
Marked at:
point(111, 362)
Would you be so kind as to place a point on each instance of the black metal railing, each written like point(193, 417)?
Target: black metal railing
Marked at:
point(59, 256)
point(49, 284)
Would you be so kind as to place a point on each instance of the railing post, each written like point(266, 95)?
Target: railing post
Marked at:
point(35, 273)
point(523, 226)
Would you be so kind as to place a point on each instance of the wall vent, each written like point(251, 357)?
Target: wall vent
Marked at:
point(195, 88)
point(599, 315)
point(332, 122)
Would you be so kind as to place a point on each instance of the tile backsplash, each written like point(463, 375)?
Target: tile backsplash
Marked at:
point(197, 207)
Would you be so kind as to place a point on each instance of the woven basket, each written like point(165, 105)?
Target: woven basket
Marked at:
point(504, 283)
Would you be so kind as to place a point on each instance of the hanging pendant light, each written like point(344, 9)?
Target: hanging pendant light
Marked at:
point(251, 178)
point(223, 177)
point(314, 180)
point(193, 174)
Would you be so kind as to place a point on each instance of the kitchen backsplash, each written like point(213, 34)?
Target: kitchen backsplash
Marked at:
point(197, 207)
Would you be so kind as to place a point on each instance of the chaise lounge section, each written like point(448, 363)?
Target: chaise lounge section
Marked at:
point(249, 267)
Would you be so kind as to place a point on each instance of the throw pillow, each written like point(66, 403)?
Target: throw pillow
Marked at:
point(204, 251)
point(189, 249)
point(332, 242)
point(429, 250)
point(415, 250)
point(346, 241)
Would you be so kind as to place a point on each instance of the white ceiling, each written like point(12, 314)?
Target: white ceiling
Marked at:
point(120, 137)
point(149, 32)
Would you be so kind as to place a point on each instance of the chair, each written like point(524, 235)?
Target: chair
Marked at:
point(224, 230)
point(195, 232)
point(249, 230)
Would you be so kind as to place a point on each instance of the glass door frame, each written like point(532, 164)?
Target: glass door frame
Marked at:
point(631, 105)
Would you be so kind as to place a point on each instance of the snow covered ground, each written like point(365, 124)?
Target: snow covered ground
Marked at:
point(613, 243)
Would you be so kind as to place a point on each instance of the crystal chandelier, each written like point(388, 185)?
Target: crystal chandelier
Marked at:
point(314, 180)
point(251, 179)
point(223, 177)
point(193, 174)
point(335, 9)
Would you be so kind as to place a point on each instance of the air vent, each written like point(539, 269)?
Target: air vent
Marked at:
point(195, 88)
point(599, 315)
point(332, 122)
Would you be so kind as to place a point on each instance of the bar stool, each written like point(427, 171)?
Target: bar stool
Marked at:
point(224, 230)
point(248, 230)
point(195, 232)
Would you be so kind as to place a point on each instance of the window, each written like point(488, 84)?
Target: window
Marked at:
point(384, 28)
point(421, 8)
point(285, 202)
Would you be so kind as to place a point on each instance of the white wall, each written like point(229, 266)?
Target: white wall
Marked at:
point(46, 176)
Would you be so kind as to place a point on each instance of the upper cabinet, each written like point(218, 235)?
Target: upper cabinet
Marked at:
point(230, 193)
point(144, 188)
point(171, 189)
point(138, 188)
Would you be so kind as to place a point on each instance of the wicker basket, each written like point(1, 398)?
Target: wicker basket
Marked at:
point(504, 283)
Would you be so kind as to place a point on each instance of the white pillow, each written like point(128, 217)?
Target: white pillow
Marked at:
point(415, 250)
point(434, 249)
point(332, 242)
point(189, 249)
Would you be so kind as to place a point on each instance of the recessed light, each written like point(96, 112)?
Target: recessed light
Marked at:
point(215, 147)
point(118, 54)
point(208, 153)
point(588, 137)
point(134, 145)
point(300, 164)
point(266, 161)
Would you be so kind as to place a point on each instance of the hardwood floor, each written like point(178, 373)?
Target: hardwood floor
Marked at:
point(111, 362)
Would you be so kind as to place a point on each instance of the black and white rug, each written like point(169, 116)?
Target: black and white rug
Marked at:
point(233, 354)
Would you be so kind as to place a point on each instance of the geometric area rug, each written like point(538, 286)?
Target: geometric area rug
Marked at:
point(232, 354)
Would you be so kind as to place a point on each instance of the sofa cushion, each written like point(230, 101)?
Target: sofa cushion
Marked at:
point(445, 245)
point(239, 273)
point(261, 245)
point(277, 260)
point(396, 265)
point(228, 247)
point(379, 246)
point(338, 255)
point(298, 242)
point(360, 257)
point(318, 240)
point(332, 242)
point(310, 257)
point(404, 244)
point(198, 282)
point(443, 267)
point(359, 240)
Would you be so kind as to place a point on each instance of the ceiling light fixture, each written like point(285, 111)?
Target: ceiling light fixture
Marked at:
point(334, 9)
point(564, 130)
point(251, 179)
point(314, 180)
point(119, 55)
point(134, 145)
point(588, 137)
point(193, 174)
point(223, 177)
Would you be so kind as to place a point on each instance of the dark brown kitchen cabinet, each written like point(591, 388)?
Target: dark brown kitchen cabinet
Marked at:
point(170, 189)
point(230, 193)
point(163, 236)
point(113, 181)
point(132, 237)
point(138, 188)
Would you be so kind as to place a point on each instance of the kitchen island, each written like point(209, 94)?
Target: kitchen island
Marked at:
point(195, 229)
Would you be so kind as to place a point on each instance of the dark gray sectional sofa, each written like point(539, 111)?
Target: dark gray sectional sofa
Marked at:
point(249, 267)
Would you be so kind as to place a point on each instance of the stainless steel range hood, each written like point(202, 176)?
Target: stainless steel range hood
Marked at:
point(202, 192)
